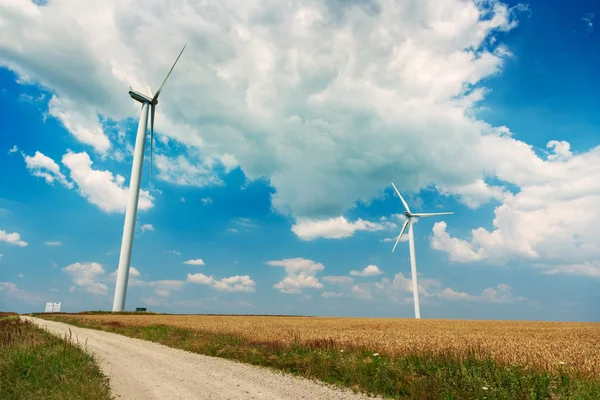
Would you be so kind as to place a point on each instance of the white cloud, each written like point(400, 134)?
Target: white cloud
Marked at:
point(206, 200)
point(10, 290)
point(300, 275)
point(501, 294)
point(20, 276)
point(133, 273)
point(181, 171)
point(197, 261)
point(174, 252)
point(476, 193)
point(101, 188)
point(238, 283)
point(332, 294)
point(399, 290)
point(315, 106)
point(340, 280)
point(163, 288)
point(370, 270)
point(147, 227)
point(591, 269)
point(43, 166)
point(13, 149)
point(458, 250)
point(561, 150)
point(51, 243)
point(243, 222)
point(85, 277)
point(55, 290)
point(288, 92)
point(588, 19)
point(361, 292)
point(12, 238)
point(335, 228)
point(81, 121)
point(550, 221)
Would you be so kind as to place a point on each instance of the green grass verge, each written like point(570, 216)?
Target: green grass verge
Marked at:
point(417, 376)
point(34, 364)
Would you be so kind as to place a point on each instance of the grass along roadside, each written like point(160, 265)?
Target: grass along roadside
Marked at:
point(419, 376)
point(34, 364)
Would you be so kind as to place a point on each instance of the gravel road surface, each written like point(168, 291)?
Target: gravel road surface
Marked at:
point(138, 369)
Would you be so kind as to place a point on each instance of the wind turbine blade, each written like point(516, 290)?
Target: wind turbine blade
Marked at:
point(148, 89)
point(425, 215)
point(167, 77)
point(401, 198)
point(401, 233)
point(152, 106)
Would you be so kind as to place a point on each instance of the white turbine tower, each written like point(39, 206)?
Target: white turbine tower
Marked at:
point(411, 241)
point(147, 100)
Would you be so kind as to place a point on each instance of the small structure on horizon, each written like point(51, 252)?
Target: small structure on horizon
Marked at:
point(52, 307)
point(138, 309)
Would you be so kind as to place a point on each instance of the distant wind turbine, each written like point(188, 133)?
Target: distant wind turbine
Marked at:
point(411, 241)
point(151, 100)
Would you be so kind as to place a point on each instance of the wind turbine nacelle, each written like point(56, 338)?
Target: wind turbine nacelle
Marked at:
point(141, 97)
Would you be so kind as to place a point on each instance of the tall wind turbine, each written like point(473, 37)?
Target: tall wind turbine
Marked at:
point(411, 241)
point(148, 100)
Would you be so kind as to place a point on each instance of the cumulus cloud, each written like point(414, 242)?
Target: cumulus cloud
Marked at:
point(301, 274)
point(206, 200)
point(86, 277)
point(289, 93)
point(328, 101)
point(197, 261)
point(361, 292)
point(81, 121)
point(332, 294)
point(10, 291)
point(43, 166)
point(12, 238)
point(340, 280)
point(181, 171)
point(399, 290)
point(476, 193)
point(163, 288)
point(458, 250)
point(146, 227)
point(133, 273)
point(551, 221)
point(370, 270)
point(500, 294)
point(101, 188)
point(591, 269)
point(238, 283)
point(335, 228)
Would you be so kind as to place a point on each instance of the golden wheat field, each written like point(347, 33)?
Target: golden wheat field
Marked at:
point(540, 344)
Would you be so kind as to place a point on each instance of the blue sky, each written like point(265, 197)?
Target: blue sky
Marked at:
point(276, 139)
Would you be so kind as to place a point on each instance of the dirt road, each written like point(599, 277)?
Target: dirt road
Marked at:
point(144, 370)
